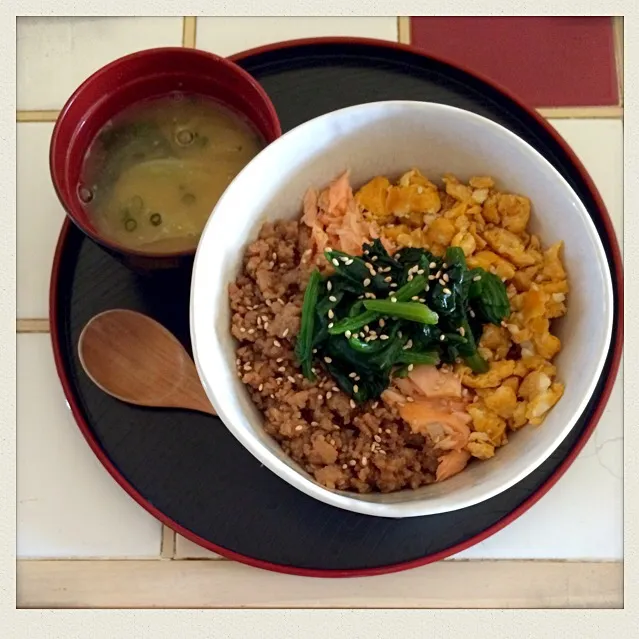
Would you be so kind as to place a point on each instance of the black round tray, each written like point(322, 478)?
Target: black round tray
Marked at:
point(186, 468)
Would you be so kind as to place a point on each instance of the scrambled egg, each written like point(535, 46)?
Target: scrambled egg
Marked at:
point(491, 227)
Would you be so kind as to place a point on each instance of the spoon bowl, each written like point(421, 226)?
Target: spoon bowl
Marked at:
point(135, 359)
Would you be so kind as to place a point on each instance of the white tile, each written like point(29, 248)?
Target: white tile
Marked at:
point(581, 517)
point(226, 36)
point(55, 55)
point(185, 549)
point(599, 145)
point(39, 220)
point(68, 505)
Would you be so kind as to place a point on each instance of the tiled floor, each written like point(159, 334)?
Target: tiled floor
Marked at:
point(68, 505)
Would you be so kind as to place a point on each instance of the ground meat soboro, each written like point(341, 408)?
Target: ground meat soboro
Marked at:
point(347, 447)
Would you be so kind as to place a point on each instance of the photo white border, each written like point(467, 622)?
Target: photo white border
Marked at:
point(316, 623)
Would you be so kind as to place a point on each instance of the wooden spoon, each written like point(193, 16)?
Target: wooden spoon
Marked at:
point(133, 358)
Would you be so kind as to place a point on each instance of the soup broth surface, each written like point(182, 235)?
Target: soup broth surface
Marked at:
point(155, 171)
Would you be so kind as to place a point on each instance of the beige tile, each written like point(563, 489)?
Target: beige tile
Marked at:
point(55, 55)
point(226, 36)
point(185, 549)
point(599, 145)
point(68, 505)
point(40, 218)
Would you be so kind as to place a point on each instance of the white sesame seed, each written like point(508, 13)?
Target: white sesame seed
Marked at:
point(356, 388)
point(348, 334)
point(438, 275)
point(299, 427)
point(265, 326)
point(375, 405)
point(381, 322)
point(462, 331)
point(364, 461)
point(471, 313)
point(409, 344)
point(442, 282)
point(251, 331)
point(447, 291)
point(242, 330)
point(264, 318)
point(367, 282)
point(335, 262)
point(328, 360)
point(335, 389)
point(393, 299)
point(374, 258)
point(445, 277)
point(431, 277)
point(285, 333)
point(276, 343)
point(247, 367)
point(331, 314)
point(377, 438)
point(329, 286)
point(281, 369)
point(415, 298)
point(393, 285)
point(329, 395)
point(348, 262)
point(291, 379)
point(332, 298)
point(383, 337)
point(352, 462)
point(388, 279)
point(344, 466)
point(357, 378)
point(476, 278)
point(279, 359)
point(444, 265)
point(353, 404)
point(388, 431)
point(442, 338)
point(260, 387)
point(331, 324)
point(410, 399)
point(410, 367)
point(352, 375)
point(432, 265)
point(420, 271)
point(344, 259)
point(314, 351)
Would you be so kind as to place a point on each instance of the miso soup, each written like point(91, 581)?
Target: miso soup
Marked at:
point(155, 171)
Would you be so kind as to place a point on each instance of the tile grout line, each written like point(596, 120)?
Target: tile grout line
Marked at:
point(576, 112)
point(167, 545)
point(617, 39)
point(403, 29)
point(189, 31)
point(32, 325)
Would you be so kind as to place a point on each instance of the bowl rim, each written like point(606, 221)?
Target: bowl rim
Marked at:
point(615, 350)
point(104, 72)
point(294, 477)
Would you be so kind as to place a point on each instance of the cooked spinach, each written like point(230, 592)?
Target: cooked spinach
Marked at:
point(376, 315)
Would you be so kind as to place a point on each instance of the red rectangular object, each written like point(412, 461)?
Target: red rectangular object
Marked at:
point(547, 62)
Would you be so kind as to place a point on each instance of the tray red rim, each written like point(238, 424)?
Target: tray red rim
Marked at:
point(617, 344)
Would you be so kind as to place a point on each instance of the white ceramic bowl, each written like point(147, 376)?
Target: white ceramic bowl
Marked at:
point(388, 138)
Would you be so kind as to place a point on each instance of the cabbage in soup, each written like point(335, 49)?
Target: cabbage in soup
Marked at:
point(155, 171)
